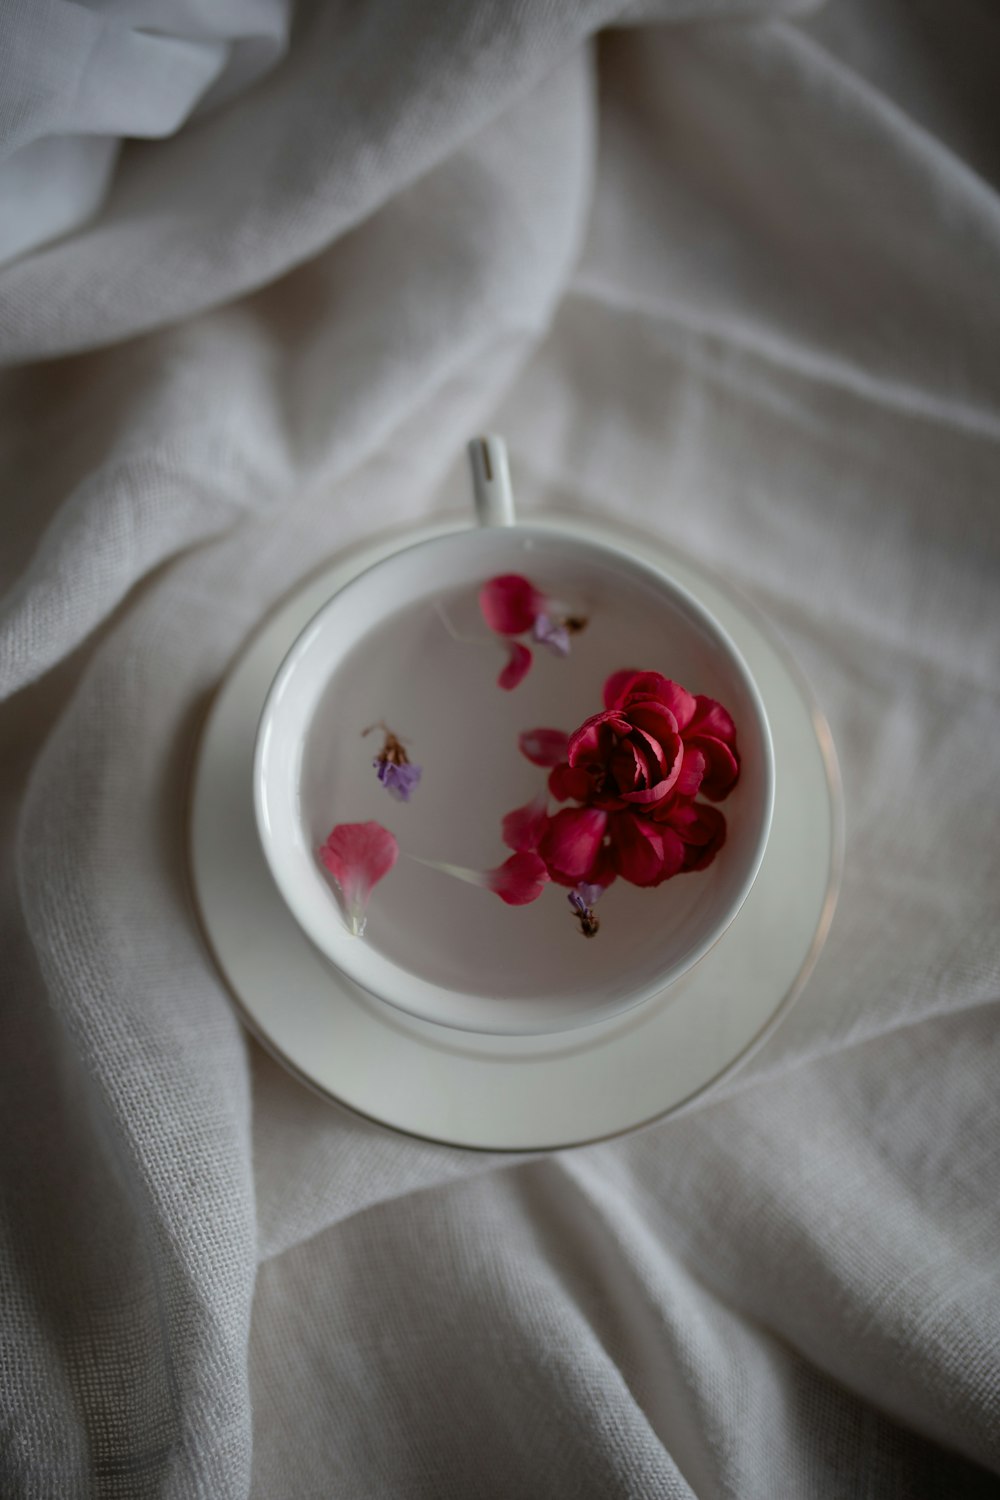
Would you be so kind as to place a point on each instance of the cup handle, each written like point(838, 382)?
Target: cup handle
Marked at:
point(491, 481)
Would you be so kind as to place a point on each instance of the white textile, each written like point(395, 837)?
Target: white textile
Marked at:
point(729, 272)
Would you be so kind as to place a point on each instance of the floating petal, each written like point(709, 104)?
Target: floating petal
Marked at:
point(510, 604)
point(358, 856)
point(523, 828)
point(519, 880)
point(517, 667)
point(543, 747)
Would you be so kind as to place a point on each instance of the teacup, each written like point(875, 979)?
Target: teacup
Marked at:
point(402, 655)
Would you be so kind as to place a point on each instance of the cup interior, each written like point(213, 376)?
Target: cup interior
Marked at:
point(405, 644)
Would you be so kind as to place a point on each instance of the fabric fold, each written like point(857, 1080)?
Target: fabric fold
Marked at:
point(724, 274)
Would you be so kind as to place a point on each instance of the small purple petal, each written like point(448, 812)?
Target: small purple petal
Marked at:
point(399, 781)
point(548, 633)
point(577, 902)
point(589, 894)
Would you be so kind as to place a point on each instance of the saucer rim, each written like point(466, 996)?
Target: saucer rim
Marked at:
point(616, 534)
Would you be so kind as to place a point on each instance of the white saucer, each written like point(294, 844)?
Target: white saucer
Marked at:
point(515, 1093)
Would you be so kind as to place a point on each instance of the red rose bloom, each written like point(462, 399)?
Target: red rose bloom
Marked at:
point(636, 768)
point(652, 741)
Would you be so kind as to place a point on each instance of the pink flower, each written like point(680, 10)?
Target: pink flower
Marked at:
point(706, 728)
point(652, 740)
point(358, 856)
point(635, 769)
point(511, 605)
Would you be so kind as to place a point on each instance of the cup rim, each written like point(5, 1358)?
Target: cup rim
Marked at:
point(336, 944)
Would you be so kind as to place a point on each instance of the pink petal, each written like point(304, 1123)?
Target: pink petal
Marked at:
point(594, 739)
point(519, 879)
point(544, 747)
point(510, 603)
point(517, 666)
point(644, 853)
point(651, 716)
point(618, 685)
point(608, 802)
point(654, 685)
point(572, 839)
point(692, 770)
point(637, 849)
point(722, 769)
point(567, 784)
point(523, 828)
point(674, 751)
point(702, 830)
point(710, 718)
point(627, 767)
point(650, 760)
point(646, 798)
point(358, 856)
point(652, 751)
point(602, 871)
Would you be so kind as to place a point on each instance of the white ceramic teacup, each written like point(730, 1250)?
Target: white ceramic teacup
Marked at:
point(444, 951)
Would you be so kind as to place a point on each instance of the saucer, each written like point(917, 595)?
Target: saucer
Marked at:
point(516, 1093)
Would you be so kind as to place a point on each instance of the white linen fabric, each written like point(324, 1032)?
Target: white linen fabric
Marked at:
point(75, 78)
point(726, 271)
